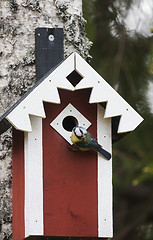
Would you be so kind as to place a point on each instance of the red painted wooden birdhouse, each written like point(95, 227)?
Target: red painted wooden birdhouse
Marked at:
point(58, 192)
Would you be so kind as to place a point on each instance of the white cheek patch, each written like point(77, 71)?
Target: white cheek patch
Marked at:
point(78, 133)
point(84, 131)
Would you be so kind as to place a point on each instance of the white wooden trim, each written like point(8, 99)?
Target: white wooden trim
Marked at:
point(105, 221)
point(34, 179)
point(47, 91)
point(103, 92)
point(69, 110)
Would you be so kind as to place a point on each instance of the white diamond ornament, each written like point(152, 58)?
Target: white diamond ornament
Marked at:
point(70, 110)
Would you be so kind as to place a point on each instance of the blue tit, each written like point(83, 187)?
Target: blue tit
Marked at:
point(85, 141)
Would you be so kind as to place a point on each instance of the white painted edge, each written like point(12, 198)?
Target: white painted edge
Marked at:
point(34, 222)
point(46, 91)
point(103, 92)
point(70, 110)
point(105, 212)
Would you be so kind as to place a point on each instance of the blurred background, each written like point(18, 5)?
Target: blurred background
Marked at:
point(122, 53)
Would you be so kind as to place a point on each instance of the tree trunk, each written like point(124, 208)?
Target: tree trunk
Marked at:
point(18, 21)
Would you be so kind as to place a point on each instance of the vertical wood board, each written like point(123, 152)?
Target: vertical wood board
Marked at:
point(70, 178)
point(104, 137)
point(18, 185)
point(34, 222)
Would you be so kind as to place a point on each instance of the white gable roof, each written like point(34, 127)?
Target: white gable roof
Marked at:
point(47, 91)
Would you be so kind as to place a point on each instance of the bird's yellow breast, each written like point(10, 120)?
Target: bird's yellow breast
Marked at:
point(74, 138)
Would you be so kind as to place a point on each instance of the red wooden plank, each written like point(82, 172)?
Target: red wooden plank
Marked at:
point(70, 178)
point(18, 185)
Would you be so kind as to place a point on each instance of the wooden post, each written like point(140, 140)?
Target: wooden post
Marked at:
point(49, 49)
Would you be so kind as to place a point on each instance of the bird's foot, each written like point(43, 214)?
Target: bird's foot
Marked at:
point(73, 149)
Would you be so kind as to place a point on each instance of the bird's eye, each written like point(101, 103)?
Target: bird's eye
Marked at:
point(81, 132)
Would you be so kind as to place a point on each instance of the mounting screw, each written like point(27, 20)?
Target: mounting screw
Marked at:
point(51, 37)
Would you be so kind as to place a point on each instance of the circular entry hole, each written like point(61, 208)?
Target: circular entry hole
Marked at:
point(69, 123)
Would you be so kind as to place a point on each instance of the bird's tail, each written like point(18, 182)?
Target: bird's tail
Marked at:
point(103, 152)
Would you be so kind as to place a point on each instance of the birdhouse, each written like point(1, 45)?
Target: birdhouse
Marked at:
point(58, 192)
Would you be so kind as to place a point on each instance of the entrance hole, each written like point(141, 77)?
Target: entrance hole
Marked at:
point(69, 123)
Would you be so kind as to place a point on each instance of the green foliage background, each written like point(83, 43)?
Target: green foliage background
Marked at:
point(125, 60)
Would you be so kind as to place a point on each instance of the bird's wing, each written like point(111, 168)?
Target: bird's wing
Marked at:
point(93, 144)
